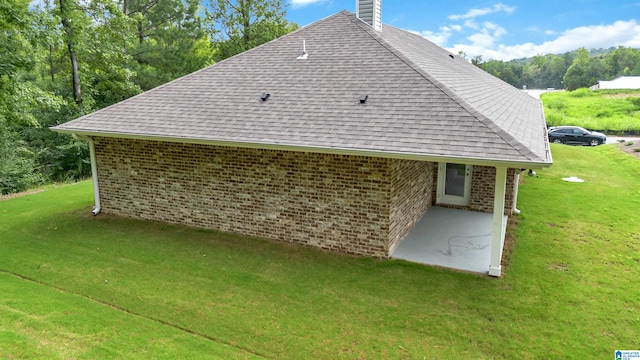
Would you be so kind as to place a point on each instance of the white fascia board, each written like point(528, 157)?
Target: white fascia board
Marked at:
point(318, 149)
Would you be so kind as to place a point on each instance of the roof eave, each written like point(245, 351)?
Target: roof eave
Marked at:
point(534, 164)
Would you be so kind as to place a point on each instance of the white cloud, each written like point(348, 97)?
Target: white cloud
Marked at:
point(302, 3)
point(474, 13)
point(441, 36)
point(487, 37)
point(471, 24)
point(487, 41)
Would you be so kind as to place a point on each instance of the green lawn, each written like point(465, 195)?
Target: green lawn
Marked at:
point(77, 286)
point(609, 110)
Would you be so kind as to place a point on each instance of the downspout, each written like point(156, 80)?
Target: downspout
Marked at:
point(515, 194)
point(94, 173)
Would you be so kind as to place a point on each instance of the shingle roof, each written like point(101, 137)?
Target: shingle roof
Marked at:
point(421, 100)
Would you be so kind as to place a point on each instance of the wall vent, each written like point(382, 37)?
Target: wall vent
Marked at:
point(370, 11)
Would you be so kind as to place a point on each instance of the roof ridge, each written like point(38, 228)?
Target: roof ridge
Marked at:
point(495, 128)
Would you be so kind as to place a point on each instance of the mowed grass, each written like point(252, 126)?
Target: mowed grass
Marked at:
point(610, 110)
point(77, 286)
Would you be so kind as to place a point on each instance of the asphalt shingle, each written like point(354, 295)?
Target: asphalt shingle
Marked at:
point(421, 100)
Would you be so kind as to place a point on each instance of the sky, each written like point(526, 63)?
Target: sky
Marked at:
point(500, 30)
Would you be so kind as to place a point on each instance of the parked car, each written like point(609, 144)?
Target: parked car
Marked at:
point(575, 135)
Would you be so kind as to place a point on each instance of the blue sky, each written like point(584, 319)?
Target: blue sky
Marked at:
point(501, 30)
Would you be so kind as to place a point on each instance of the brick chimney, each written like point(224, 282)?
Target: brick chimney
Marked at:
point(370, 11)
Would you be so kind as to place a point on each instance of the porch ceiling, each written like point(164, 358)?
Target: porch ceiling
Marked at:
point(452, 238)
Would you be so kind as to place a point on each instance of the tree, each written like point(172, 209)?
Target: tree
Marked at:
point(636, 69)
point(17, 162)
point(65, 11)
point(621, 60)
point(170, 40)
point(477, 60)
point(531, 75)
point(244, 24)
point(80, 65)
point(584, 72)
point(84, 43)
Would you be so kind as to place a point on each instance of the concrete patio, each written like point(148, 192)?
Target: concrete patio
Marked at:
point(452, 238)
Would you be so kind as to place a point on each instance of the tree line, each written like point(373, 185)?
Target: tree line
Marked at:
point(61, 59)
point(570, 71)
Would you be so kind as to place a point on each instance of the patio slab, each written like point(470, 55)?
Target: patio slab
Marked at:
point(452, 238)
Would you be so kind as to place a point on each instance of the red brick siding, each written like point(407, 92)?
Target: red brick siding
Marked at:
point(411, 189)
point(335, 202)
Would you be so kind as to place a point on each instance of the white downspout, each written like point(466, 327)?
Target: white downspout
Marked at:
point(515, 194)
point(94, 173)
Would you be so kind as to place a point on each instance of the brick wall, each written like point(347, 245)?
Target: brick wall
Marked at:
point(335, 202)
point(411, 190)
point(483, 183)
point(352, 204)
point(483, 180)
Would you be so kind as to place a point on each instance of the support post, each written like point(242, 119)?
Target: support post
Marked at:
point(497, 234)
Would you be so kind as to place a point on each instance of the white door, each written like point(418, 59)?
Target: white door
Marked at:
point(454, 184)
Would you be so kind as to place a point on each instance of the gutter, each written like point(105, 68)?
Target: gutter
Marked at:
point(84, 134)
point(94, 173)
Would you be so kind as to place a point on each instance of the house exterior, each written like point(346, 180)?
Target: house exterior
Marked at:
point(622, 82)
point(339, 135)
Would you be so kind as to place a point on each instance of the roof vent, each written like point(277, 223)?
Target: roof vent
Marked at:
point(265, 96)
point(370, 11)
point(303, 55)
point(363, 99)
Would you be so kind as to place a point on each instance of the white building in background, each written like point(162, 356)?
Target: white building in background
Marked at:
point(623, 82)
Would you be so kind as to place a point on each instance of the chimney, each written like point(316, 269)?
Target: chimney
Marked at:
point(370, 11)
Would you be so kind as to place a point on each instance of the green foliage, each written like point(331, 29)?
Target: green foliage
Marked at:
point(573, 264)
point(17, 165)
point(610, 110)
point(584, 72)
point(18, 98)
point(621, 60)
point(635, 101)
point(580, 93)
point(169, 40)
point(62, 59)
point(572, 70)
point(539, 72)
point(239, 25)
point(557, 103)
point(16, 49)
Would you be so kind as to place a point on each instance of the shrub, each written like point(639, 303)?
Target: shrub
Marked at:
point(635, 101)
point(582, 92)
point(557, 104)
point(18, 175)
